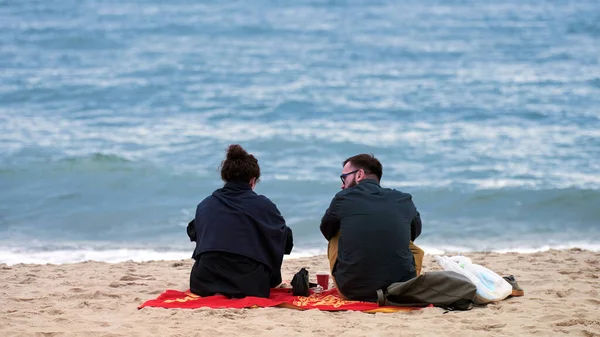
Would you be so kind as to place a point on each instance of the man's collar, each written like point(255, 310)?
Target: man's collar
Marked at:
point(238, 185)
point(369, 181)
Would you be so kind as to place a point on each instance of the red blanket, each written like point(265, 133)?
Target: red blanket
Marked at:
point(327, 301)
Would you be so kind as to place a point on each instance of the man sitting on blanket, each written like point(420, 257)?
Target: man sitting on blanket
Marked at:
point(370, 230)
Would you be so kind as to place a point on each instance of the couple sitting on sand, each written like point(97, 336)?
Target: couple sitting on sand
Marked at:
point(241, 237)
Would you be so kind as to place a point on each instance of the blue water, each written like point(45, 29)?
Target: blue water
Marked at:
point(115, 116)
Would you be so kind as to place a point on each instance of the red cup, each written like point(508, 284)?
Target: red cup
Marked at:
point(323, 279)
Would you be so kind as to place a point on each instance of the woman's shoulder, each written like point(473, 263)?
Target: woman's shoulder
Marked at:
point(265, 199)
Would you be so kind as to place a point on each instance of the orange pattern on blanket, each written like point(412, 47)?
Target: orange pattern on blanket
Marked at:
point(189, 297)
point(327, 301)
point(319, 300)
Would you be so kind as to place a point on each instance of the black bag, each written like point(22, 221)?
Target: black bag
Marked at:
point(300, 284)
point(446, 289)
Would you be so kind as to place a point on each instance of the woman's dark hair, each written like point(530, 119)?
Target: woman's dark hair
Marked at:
point(239, 165)
point(367, 162)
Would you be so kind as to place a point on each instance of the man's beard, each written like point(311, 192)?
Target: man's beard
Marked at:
point(352, 183)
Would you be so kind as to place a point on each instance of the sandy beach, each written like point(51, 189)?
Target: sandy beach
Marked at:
point(101, 299)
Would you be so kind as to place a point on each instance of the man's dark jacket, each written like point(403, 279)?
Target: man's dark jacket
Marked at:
point(376, 226)
point(234, 219)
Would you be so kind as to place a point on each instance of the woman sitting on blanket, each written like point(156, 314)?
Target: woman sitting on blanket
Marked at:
point(240, 236)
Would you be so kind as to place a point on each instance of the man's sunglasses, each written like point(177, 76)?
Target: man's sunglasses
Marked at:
point(344, 175)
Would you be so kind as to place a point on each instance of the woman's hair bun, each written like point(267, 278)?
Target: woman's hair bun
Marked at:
point(239, 165)
point(235, 151)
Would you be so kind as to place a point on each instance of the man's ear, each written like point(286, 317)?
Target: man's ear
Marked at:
point(252, 182)
point(360, 175)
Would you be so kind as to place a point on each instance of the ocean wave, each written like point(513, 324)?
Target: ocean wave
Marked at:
point(590, 27)
point(113, 121)
point(294, 162)
point(73, 256)
point(169, 133)
point(12, 256)
point(96, 158)
point(514, 248)
point(506, 212)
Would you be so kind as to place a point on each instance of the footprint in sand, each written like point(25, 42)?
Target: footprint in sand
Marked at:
point(578, 321)
point(593, 301)
point(564, 293)
point(488, 327)
point(118, 285)
point(28, 280)
point(22, 299)
point(588, 333)
point(99, 294)
point(137, 277)
point(551, 318)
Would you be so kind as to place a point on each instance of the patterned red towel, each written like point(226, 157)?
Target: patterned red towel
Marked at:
point(328, 300)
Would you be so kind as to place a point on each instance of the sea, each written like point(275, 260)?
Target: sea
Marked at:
point(115, 117)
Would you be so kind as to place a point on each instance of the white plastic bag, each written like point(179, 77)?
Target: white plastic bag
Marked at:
point(491, 287)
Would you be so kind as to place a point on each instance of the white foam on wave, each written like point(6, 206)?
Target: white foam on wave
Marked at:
point(139, 138)
point(501, 183)
point(180, 129)
point(300, 253)
point(518, 248)
point(11, 256)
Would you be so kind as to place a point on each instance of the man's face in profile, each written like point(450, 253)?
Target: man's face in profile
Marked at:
point(348, 176)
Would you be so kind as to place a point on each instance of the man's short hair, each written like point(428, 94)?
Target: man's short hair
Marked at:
point(367, 162)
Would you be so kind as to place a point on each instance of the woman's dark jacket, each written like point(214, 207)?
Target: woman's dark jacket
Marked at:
point(236, 220)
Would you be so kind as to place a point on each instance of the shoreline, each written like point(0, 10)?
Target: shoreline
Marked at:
point(11, 257)
point(100, 299)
